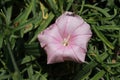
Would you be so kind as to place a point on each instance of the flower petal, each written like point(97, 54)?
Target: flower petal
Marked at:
point(73, 23)
point(74, 53)
point(68, 54)
point(54, 53)
point(68, 23)
point(81, 41)
point(83, 29)
point(50, 35)
point(80, 53)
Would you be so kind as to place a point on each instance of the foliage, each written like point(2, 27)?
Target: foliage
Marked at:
point(21, 57)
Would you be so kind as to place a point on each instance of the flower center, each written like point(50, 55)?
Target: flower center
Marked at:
point(66, 41)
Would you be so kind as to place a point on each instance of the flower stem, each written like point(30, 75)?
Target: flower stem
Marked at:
point(17, 73)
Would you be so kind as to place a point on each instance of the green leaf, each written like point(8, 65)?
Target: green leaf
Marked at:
point(69, 4)
point(103, 38)
point(103, 56)
point(26, 59)
point(86, 76)
point(98, 75)
point(109, 27)
point(30, 21)
point(16, 76)
point(82, 6)
point(10, 52)
point(116, 64)
point(44, 76)
point(43, 25)
point(37, 76)
point(53, 5)
point(1, 39)
point(8, 15)
point(61, 3)
point(30, 72)
point(98, 9)
point(119, 38)
point(24, 15)
point(85, 70)
point(5, 77)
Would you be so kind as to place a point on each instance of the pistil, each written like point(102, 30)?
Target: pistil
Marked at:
point(66, 41)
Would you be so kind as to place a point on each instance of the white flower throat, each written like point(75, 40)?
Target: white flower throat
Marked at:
point(66, 41)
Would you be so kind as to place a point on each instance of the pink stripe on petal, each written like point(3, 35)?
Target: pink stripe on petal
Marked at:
point(80, 40)
point(68, 54)
point(79, 53)
point(54, 53)
point(44, 40)
point(61, 24)
point(54, 33)
point(50, 33)
point(83, 30)
point(74, 23)
point(74, 53)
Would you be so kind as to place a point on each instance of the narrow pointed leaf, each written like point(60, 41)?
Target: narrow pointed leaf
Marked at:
point(103, 38)
point(98, 75)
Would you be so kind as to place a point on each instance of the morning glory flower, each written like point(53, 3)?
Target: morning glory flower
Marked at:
point(66, 39)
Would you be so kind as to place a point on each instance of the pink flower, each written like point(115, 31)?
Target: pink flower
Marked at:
point(66, 39)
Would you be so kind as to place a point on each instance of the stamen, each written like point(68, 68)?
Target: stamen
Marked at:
point(66, 41)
